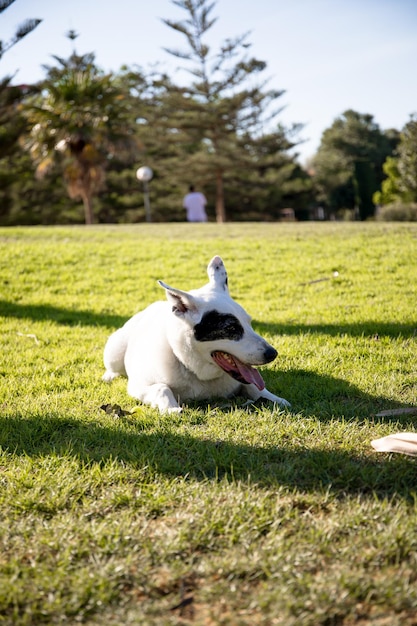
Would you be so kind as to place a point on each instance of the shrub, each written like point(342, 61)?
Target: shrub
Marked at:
point(398, 212)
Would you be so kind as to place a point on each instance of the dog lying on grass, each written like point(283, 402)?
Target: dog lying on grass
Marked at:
point(195, 345)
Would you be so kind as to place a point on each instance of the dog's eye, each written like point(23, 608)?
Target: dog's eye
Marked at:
point(215, 325)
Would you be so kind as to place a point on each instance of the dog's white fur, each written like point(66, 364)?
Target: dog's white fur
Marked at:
point(166, 365)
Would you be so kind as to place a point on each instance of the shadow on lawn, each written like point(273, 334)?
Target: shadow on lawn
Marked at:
point(326, 396)
point(370, 328)
point(173, 454)
point(68, 317)
point(40, 312)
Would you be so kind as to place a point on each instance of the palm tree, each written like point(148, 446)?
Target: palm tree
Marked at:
point(79, 121)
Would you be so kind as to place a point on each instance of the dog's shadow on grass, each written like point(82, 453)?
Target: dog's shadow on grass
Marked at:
point(325, 396)
point(155, 446)
point(67, 317)
point(172, 453)
point(373, 329)
point(40, 312)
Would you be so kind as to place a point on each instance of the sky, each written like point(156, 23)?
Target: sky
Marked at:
point(328, 55)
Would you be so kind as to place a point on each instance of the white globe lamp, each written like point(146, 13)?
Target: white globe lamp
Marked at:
point(145, 174)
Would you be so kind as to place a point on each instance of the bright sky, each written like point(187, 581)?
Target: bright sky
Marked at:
point(328, 55)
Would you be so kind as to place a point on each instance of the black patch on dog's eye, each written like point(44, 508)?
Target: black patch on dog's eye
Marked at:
point(215, 325)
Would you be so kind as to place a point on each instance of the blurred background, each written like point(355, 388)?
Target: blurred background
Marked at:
point(275, 110)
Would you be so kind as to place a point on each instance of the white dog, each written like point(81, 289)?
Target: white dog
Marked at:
point(196, 345)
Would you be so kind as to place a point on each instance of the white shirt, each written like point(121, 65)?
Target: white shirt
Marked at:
point(194, 203)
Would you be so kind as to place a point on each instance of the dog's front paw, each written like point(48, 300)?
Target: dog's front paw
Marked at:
point(284, 404)
point(109, 376)
point(174, 409)
point(263, 401)
point(267, 395)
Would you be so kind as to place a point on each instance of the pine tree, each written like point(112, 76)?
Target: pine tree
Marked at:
point(22, 30)
point(221, 106)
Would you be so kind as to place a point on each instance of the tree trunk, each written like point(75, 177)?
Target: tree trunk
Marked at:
point(365, 186)
point(220, 210)
point(88, 209)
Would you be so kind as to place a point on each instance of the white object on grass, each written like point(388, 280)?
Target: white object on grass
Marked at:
point(404, 443)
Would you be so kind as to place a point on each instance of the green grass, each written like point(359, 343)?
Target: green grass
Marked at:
point(222, 515)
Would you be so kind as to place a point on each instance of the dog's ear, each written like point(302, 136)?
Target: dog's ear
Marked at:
point(217, 274)
point(182, 302)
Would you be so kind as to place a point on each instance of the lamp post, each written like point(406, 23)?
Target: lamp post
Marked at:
point(144, 174)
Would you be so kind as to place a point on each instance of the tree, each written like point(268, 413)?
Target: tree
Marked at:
point(162, 145)
point(348, 164)
point(390, 191)
point(400, 184)
point(407, 160)
point(22, 30)
point(12, 122)
point(79, 121)
point(222, 106)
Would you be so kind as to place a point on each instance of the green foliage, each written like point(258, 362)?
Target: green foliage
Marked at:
point(224, 514)
point(398, 212)
point(348, 164)
point(400, 184)
point(79, 119)
point(15, 198)
point(22, 30)
point(83, 124)
point(89, 132)
point(27, 200)
point(390, 191)
point(226, 111)
point(407, 160)
point(12, 122)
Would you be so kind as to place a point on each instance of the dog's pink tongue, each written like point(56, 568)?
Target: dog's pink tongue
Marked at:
point(233, 365)
point(250, 374)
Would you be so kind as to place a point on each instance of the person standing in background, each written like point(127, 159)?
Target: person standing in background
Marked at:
point(195, 205)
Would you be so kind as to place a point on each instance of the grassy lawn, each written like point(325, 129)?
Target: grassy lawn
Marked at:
point(222, 515)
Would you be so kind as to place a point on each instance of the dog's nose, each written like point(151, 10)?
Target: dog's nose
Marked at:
point(270, 354)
